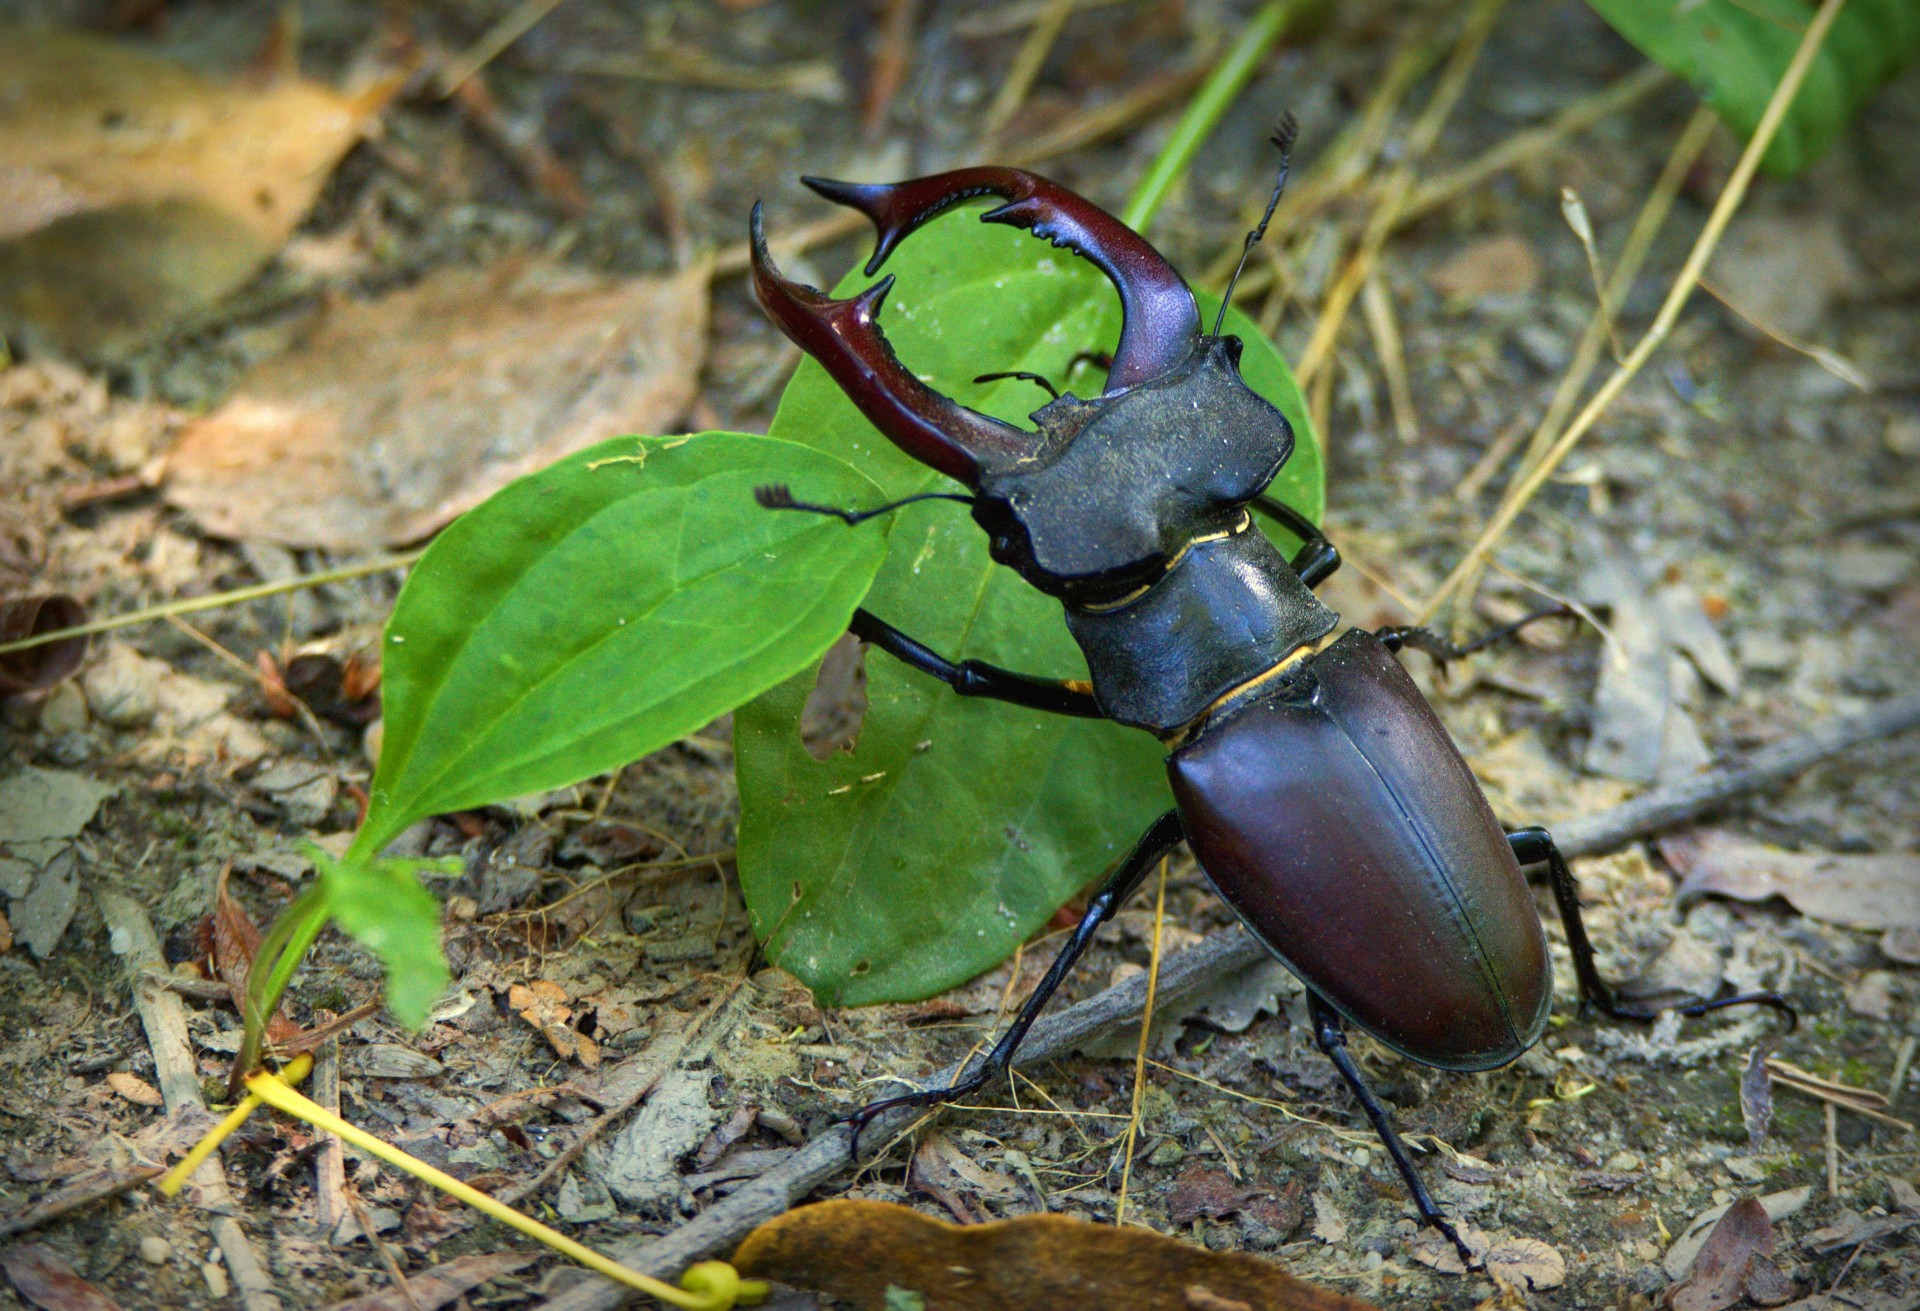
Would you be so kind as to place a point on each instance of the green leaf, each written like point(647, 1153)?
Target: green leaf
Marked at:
point(1736, 51)
point(957, 826)
point(381, 902)
point(595, 611)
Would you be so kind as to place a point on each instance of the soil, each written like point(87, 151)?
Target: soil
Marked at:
point(1781, 497)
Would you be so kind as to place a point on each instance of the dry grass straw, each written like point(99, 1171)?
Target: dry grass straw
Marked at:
point(1398, 187)
point(1730, 197)
point(1140, 1057)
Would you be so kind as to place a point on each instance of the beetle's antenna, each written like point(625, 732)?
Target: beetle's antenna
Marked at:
point(1282, 139)
point(1034, 378)
point(776, 496)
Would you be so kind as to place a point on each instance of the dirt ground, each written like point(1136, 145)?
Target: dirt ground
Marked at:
point(1737, 477)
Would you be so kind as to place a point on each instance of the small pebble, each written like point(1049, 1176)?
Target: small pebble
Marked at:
point(1374, 1261)
point(1168, 1153)
point(216, 1277)
point(1624, 1162)
point(155, 1250)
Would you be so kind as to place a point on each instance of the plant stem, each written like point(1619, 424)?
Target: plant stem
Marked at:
point(1208, 107)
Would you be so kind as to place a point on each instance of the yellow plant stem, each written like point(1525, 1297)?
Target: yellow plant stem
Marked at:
point(175, 1179)
point(1140, 1057)
point(1663, 323)
point(708, 1286)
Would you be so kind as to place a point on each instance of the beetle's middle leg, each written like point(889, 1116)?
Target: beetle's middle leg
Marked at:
point(975, 677)
point(1534, 846)
point(1443, 650)
point(1166, 833)
point(1332, 1037)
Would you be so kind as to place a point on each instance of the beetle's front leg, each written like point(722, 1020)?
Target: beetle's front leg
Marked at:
point(1332, 1037)
point(1060, 696)
point(1535, 846)
point(1167, 833)
point(1317, 558)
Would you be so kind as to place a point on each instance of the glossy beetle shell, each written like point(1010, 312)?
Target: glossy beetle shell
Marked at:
point(1335, 815)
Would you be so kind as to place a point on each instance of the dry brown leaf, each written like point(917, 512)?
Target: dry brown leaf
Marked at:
point(136, 1090)
point(854, 1249)
point(40, 667)
point(1879, 891)
point(40, 1276)
point(134, 191)
point(397, 414)
point(1739, 1249)
point(1497, 266)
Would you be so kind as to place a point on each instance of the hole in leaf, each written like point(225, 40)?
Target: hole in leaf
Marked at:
point(860, 967)
point(837, 706)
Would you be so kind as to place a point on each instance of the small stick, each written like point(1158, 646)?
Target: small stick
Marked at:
point(330, 1201)
point(1833, 1150)
point(1900, 1064)
point(891, 62)
point(165, 1020)
point(1669, 314)
point(726, 1222)
point(94, 1186)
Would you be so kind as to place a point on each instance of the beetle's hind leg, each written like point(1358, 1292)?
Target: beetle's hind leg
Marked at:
point(1166, 833)
point(1442, 650)
point(1332, 1037)
point(1535, 846)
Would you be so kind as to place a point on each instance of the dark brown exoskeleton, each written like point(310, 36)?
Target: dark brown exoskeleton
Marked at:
point(1316, 788)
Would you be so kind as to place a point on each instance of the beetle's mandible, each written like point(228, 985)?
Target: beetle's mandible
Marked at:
point(1313, 783)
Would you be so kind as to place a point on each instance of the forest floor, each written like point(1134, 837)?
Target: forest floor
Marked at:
point(1745, 517)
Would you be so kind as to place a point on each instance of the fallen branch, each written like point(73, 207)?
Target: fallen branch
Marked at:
point(165, 1020)
point(721, 1226)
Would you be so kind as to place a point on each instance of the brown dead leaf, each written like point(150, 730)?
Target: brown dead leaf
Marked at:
point(397, 414)
point(943, 1171)
point(40, 1276)
point(40, 667)
point(1877, 891)
point(854, 1249)
point(435, 1288)
point(136, 1090)
point(134, 191)
point(1498, 266)
point(1742, 1242)
point(1203, 1191)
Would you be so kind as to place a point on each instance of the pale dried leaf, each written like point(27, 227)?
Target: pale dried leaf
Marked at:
point(431, 1289)
point(397, 414)
point(1495, 266)
point(1521, 1262)
point(1876, 891)
point(134, 191)
point(1756, 1098)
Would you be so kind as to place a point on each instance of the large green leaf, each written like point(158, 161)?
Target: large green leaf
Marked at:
point(957, 826)
point(1735, 52)
point(597, 610)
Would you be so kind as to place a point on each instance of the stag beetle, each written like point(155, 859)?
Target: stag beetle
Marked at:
point(1316, 788)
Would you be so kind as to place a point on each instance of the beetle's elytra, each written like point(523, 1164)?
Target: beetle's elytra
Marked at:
point(1315, 786)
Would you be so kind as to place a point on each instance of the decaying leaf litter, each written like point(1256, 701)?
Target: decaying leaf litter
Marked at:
point(1746, 478)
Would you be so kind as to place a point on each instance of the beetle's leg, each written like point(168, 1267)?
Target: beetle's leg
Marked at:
point(1165, 834)
point(1037, 379)
point(1317, 558)
point(778, 496)
point(1332, 1037)
point(1160, 323)
point(1442, 650)
point(1534, 846)
point(975, 677)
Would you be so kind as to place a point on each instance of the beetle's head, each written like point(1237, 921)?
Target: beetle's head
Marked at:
point(1109, 491)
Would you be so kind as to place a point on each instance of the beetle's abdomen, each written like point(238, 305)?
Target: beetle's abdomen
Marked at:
point(1336, 816)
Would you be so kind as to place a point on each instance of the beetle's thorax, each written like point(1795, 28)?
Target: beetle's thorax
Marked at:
point(1118, 488)
point(1132, 510)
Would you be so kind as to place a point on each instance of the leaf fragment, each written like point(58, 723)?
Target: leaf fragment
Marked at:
point(873, 1253)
